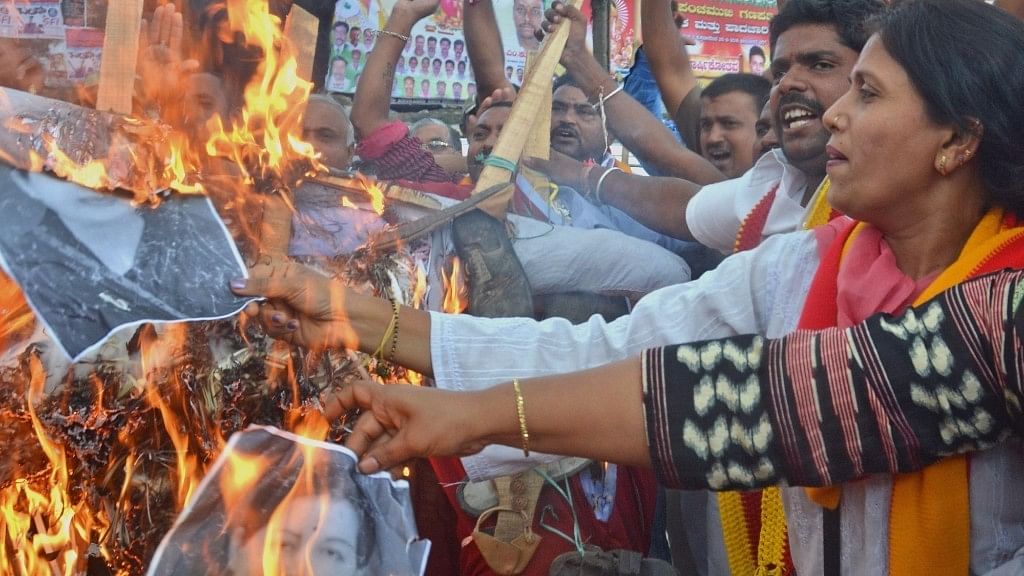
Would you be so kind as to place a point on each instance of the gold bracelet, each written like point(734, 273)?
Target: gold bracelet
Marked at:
point(521, 412)
point(379, 33)
point(382, 369)
point(394, 337)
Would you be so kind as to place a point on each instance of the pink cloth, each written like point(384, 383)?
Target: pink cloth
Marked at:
point(378, 143)
point(869, 280)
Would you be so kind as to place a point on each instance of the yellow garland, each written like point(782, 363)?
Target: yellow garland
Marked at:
point(772, 539)
point(734, 532)
point(772, 544)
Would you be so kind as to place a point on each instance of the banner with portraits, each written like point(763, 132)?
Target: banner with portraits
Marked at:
point(433, 66)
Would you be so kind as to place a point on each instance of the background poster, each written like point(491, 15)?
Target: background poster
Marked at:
point(730, 35)
point(433, 66)
point(66, 36)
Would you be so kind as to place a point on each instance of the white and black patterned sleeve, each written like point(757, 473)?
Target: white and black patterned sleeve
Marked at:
point(893, 394)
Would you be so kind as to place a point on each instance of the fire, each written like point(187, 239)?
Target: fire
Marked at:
point(455, 290)
point(155, 351)
point(44, 528)
point(374, 191)
point(46, 524)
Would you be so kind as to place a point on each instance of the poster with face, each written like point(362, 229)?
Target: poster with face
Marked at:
point(91, 263)
point(729, 35)
point(277, 503)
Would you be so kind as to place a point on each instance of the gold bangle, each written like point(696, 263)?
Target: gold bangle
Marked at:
point(521, 413)
point(389, 333)
point(394, 337)
point(379, 33)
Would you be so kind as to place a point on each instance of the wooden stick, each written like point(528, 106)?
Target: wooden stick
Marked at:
point(302, 28)
point(517, 127)
point(538, 144)
point(120, 51)
point(390, 239)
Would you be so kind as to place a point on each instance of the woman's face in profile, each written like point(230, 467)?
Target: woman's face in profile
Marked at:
point(306, 536)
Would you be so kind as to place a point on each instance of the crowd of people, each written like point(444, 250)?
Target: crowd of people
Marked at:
point(796, 349)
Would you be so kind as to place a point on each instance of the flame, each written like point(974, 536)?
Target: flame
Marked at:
point(44, 528)
point(373, 190)
point(455, 289)
point(155, 352)
point(262, 141)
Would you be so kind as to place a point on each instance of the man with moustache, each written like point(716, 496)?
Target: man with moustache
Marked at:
point(728, 118)
point(815, 46)
point(527, 16)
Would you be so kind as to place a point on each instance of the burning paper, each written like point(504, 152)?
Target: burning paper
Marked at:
point(277, 503)
point(91, 263)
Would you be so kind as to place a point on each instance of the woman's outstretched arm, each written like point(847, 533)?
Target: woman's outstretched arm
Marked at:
point(814, 408)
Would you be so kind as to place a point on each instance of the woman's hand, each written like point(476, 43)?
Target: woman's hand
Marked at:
point(303, 307)
point(403, 422)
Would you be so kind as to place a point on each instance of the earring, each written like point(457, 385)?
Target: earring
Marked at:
point(967, 155)
point(942, 165)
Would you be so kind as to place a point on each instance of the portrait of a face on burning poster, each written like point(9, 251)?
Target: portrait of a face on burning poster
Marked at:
point(274, 502)
point(90, 263)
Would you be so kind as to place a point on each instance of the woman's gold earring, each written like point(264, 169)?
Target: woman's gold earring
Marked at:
point(942, 165)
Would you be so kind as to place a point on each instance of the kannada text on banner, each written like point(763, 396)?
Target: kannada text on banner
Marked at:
point(730, 35)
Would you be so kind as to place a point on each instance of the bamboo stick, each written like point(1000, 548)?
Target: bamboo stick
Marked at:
point(120, 51)
point(536, 87)
point(302, 28)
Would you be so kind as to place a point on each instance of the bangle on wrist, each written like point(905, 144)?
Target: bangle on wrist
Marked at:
point(390, 335)
point(524, 434)
point(379, 33)
point(600, 182)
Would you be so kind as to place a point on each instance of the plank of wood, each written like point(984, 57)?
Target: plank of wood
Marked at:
point(536, 88)
point(538, 144)
point(120, 51)
point(302, 28)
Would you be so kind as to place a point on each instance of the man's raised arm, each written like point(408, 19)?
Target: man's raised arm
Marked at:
point(670, 63)
point(372, 100)
point(634, 126)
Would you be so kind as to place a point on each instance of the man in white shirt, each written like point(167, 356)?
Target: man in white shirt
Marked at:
point(812, 61)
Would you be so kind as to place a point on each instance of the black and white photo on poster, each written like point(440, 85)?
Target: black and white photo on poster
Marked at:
point(277, 503)
point(90, 263)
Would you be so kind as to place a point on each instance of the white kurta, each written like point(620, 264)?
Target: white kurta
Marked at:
point(715, 214)
point(760, 291)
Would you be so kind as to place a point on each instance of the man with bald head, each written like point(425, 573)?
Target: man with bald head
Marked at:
point(326, 126)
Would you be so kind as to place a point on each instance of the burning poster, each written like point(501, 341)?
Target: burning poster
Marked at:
point(90, 263)
point(278, 503)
